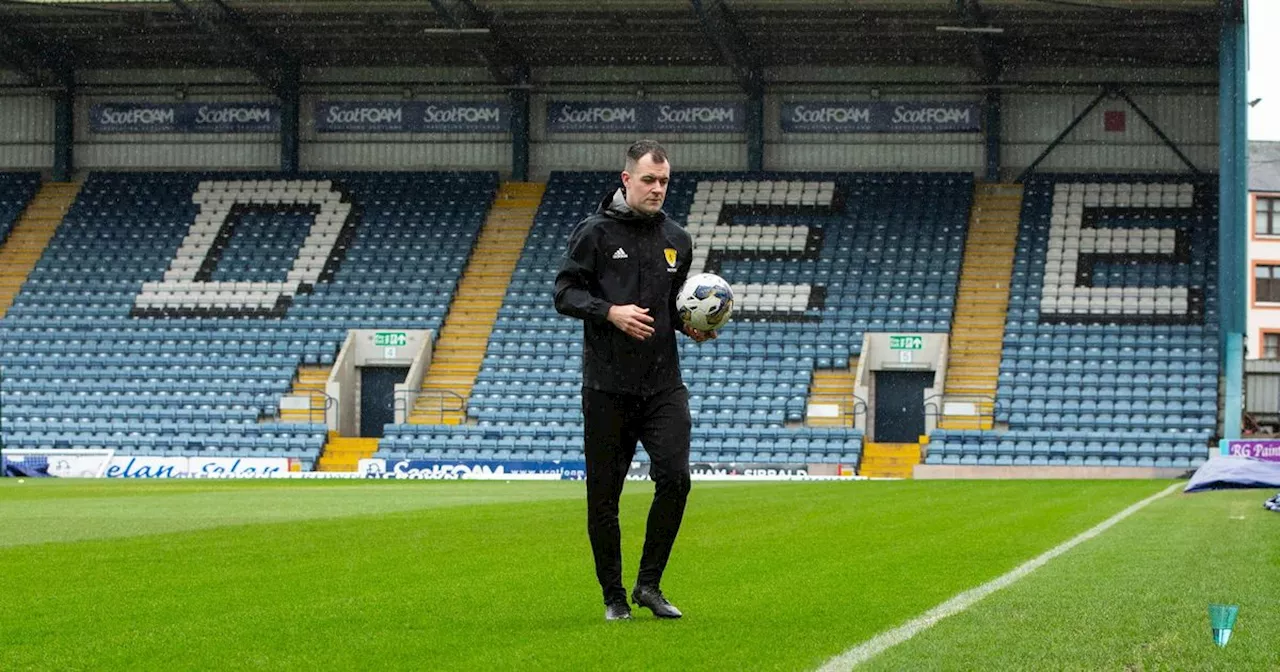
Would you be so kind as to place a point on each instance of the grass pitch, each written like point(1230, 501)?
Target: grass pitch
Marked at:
point(108, 575)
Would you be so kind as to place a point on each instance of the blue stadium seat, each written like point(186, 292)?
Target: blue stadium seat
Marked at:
point(81, 336)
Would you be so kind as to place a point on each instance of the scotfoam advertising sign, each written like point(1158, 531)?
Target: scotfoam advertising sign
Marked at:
point(411, 116)
point(645, 117)
point(474, 470)
point(687, 117)
point(361, 117)
point(184, 118)
point(595, 117)
point(464, 117)
point(881, 117)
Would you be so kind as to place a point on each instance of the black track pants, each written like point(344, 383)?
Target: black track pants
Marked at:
point(614, 422)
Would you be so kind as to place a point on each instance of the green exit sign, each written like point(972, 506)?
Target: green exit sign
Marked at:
point(390, 339)
point(906, 342)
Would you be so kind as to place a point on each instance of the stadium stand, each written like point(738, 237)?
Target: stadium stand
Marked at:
point(16, 190)
point(816, 261)
point(171, 311)
point(1110, 350)
point(18, 251)
point(148, 327)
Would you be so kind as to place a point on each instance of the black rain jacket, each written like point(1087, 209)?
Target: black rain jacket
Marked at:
point(618, 257)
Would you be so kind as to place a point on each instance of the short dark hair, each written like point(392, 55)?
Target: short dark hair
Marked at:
point(639, 148)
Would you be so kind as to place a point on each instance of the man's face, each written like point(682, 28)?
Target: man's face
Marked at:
point(646, 185)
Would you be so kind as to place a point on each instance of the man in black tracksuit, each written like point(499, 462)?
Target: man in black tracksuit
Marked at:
point(620, 276)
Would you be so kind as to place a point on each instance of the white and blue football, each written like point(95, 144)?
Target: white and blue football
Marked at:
point(705, 302)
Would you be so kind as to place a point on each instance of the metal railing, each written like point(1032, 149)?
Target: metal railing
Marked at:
point(329, 402)
point(430, 405)
point(858, 407)
point(935, 406)
point(318, 404)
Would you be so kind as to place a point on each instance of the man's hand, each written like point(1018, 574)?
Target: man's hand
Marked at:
point(697, 336)
point(632, 320)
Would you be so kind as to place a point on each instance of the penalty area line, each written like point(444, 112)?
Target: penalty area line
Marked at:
point(891, 638)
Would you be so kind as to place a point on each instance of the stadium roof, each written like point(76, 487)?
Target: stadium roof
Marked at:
point(511, 36)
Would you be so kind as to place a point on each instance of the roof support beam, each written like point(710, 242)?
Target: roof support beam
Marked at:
point(520, 138)
point(1233, 213)
point(1159, 133)
point(64, 139)
point(1233, 11)
point(992, 130)
point(214, 17)
point(720, 27)
point(36, 66)
point(986, 58)
point(507, 67)
point(1102, 95)
point(504, 62)
point(18, 57)
point(290, 116)
point(722, 30)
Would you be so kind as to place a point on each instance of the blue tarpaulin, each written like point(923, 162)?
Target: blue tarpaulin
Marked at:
point(1235, 472)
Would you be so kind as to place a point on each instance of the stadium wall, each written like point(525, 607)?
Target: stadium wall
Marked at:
point(602, 151)
point(171, 151)
point(1182, 101)
point(399, 151)
point(26, 132)
point(869, 151)
point(1032, 121)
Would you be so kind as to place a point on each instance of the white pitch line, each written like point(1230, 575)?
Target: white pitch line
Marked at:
point(890, 638)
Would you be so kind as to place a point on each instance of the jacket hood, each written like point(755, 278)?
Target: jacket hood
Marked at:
point(615, 206)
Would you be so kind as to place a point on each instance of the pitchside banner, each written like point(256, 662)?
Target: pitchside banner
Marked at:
point(572, 471)
point(184, 118)
point(645, 117)
point(473, 470)
point(881, 117)
point(104, 464)
point(1263, 449)
point(412, 116)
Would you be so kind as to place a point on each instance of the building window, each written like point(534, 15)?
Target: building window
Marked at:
point(1266, 284)
point(1267, 217)
point(1271, 346)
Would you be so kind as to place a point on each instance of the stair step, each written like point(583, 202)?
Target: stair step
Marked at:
point(830, 422)
point(458, 358)
point(833, 387)
point(30, 235)
point(344, 453)
point(966, 423)
point(464, 336)
point(971, 381)
point(973, 347)
point(982, 301)
point(887, 472)
point(884, 462)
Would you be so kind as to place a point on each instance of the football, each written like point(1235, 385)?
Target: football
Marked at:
point(705, 302)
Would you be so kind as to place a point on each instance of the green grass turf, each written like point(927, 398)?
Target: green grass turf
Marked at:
point(107, 575)
point(1135, 598)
